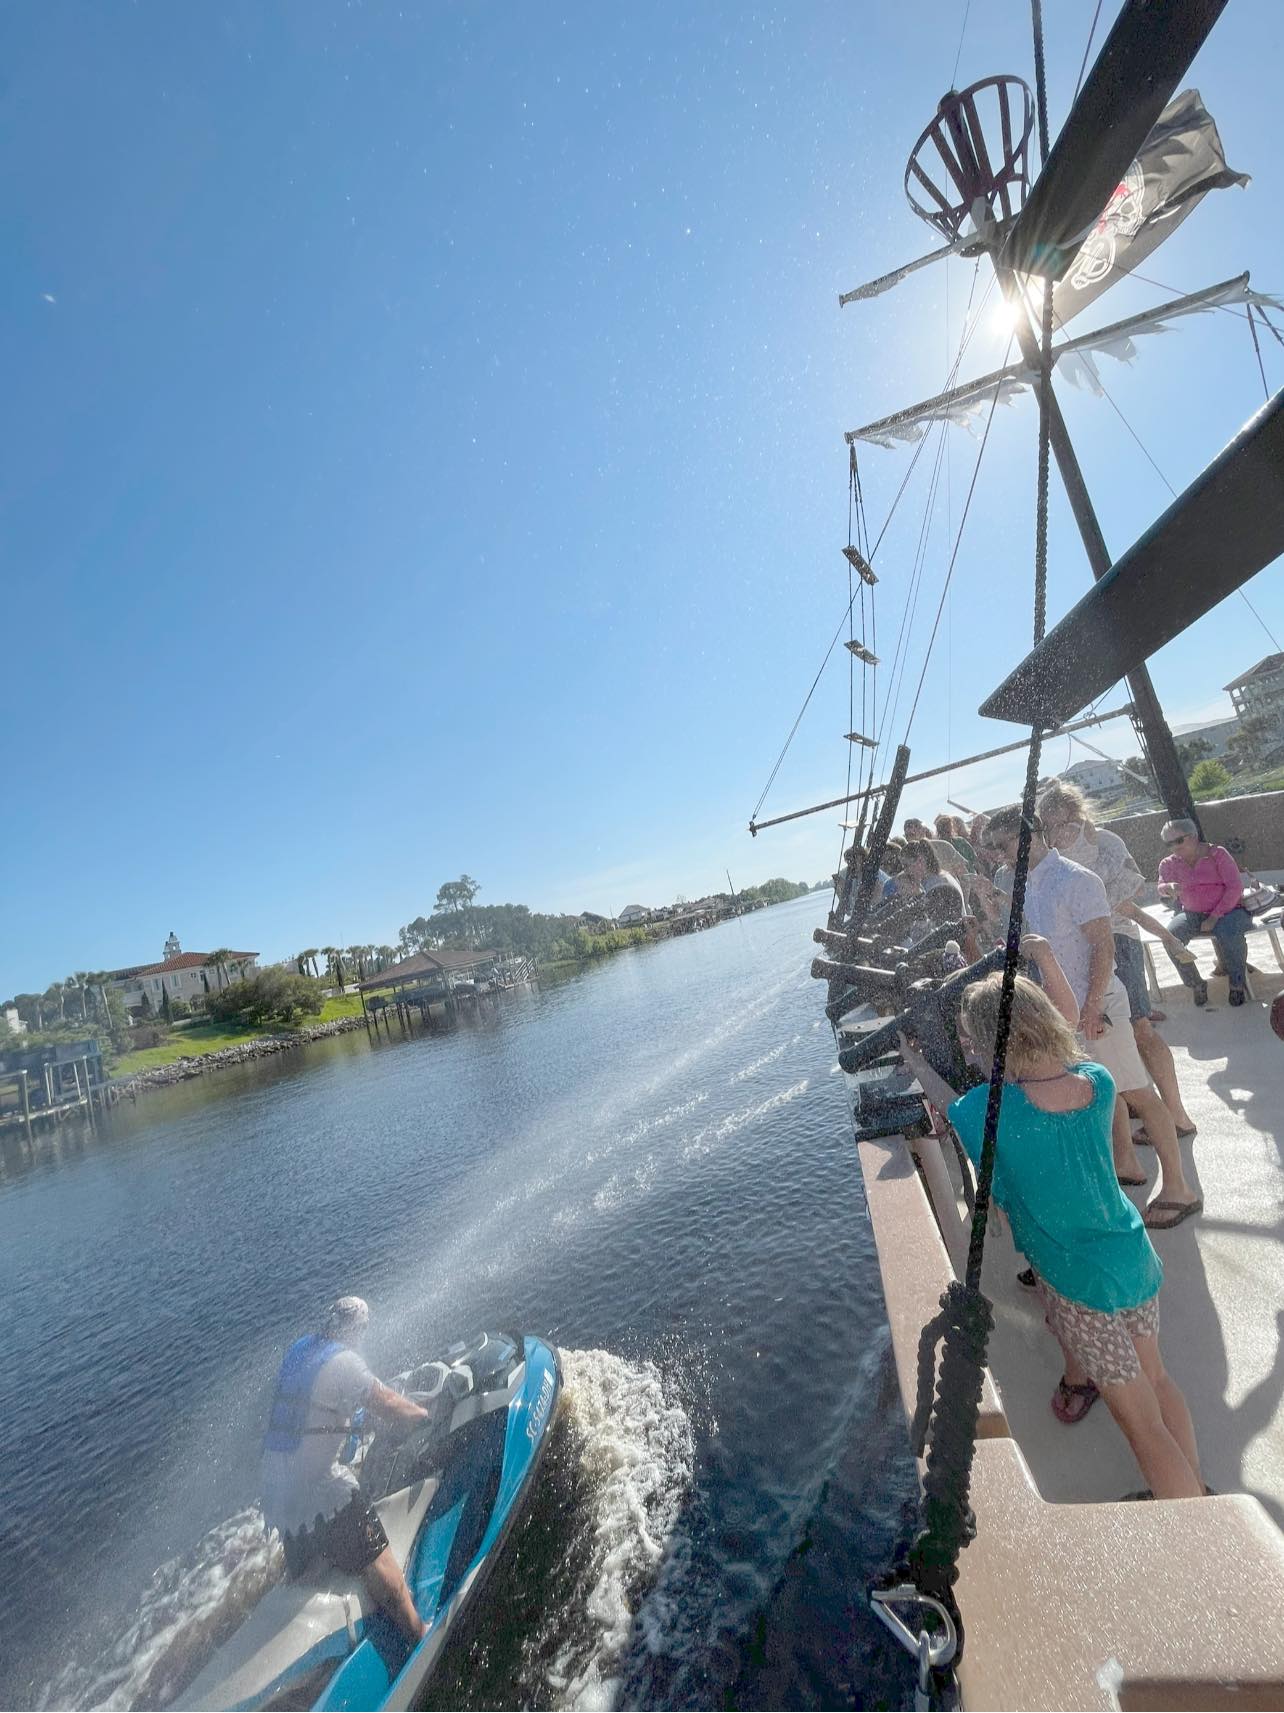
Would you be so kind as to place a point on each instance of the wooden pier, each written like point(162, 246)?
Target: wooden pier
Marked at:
point(48, 1084)
point(437, 985)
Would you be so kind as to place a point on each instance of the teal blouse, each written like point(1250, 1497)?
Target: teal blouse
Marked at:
point(1054, 1177)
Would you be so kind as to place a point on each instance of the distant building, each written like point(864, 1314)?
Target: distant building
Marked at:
point(632, 914)
point(188, 976)
point(594, 923)
point(13, 1024)
point(1217, 736)
point(1258, 694)
point(1094, 774)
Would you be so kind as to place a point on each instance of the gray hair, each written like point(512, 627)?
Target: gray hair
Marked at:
point(1182, 825)
point(346, 1319)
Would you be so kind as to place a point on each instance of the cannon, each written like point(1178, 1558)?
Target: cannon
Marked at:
point(931, 1017)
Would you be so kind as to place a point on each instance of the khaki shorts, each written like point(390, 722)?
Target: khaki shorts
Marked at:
point(1116, 1046)
point(1102, 1342)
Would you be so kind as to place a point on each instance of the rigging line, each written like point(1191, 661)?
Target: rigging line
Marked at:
point(901, 661)
point(1145, 452)
point(959, 55)
point(1087, 49)
point(1040, 80)
point(1257, 347)
point(918, 450)
point(892, 694)
point(958, 542)
point(1275, 332)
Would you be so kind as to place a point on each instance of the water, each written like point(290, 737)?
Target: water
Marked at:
point(652, 1164)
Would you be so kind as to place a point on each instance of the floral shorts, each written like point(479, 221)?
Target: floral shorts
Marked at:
point(1102, 1342)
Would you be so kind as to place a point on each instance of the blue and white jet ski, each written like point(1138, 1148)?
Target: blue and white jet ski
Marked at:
point(447, 1494)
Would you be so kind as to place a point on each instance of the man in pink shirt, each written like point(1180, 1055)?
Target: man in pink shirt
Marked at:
point(1206, 881)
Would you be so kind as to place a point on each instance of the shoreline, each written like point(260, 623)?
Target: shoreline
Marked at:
point(197, 1064)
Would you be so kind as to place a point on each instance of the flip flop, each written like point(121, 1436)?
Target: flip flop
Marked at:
point(1132, 1183)
point(1179, 1209)
point(1067, 1397)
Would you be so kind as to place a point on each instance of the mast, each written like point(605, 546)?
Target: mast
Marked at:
point(1148, 717)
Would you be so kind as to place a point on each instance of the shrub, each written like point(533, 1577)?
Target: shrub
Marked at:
point(1209, 778)
point(270, 995)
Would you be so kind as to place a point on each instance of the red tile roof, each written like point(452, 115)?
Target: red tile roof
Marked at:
point(184, 961)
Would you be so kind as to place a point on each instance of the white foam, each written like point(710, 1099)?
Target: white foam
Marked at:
point(766, 1059)
point(706, 1140)
point(638, 1453)
point(191, 1605)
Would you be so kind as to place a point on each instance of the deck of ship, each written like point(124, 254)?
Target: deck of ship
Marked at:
point(1222, 1308)
point(1071, 1600)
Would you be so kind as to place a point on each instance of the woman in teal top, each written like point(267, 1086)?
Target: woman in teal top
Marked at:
point(1054, 1177)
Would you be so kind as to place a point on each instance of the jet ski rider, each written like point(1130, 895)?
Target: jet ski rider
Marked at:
point(311, 1497)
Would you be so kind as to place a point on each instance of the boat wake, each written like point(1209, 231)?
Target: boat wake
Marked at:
point(581, 1588)
point(190, 1608)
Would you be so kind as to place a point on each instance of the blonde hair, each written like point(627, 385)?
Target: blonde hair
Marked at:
point(1066, 798)
point(1037, 1028)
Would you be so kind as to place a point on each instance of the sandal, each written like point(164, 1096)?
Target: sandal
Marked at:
point(1132, 1183)
point(1070, 1404)
point(1179, 1210)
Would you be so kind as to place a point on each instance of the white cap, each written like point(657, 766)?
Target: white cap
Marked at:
point(347, 1318)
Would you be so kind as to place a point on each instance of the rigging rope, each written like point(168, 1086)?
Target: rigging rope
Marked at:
point(1087, 49)
point(958, 542)
point(966, 1315)
point(871, 551)
point(1145, 452)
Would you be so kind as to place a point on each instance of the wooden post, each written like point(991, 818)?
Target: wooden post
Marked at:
point(26, 1105)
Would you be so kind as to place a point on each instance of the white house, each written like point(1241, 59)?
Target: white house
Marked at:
point(188, 976)
point(632, 914)
point(10, 1022)
point(1094, 773)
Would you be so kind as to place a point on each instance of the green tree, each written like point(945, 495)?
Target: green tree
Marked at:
point(219, 960)
point(1198, 749)
point(1248, 744)
point(167, 1005)
point(267, 996)
point(1209, 779)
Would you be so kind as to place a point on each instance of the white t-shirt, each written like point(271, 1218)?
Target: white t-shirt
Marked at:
point(1112, 862)
point(309, 1485)
point(1060, 897)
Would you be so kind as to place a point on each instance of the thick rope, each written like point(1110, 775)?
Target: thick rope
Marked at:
point(947, 1426)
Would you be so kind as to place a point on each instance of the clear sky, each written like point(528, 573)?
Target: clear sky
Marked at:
point(423, 447)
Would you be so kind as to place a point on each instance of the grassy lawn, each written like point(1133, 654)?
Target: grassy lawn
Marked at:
point(194, 1039)
point(186, 1044)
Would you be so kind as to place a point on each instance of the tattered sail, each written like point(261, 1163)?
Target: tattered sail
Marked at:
point(1179, 163)
point(1074, 358)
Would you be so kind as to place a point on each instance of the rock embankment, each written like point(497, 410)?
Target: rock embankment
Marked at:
point(196, 1064)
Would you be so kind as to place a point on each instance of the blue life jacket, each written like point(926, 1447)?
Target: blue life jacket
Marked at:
point(304, 1360)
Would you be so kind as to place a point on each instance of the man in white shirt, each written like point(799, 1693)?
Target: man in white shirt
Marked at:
point(1068, 906)
point(311, 1497)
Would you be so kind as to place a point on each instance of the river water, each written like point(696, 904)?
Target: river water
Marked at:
point(652, 1164)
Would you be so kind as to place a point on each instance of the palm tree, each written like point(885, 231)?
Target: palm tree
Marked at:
point(219, 960)
point(309, 957)
point(387, 957)
point(357, 955)
point(329, 953)
point(55, 996)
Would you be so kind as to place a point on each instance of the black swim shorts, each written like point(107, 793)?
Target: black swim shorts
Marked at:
point(350, 1540)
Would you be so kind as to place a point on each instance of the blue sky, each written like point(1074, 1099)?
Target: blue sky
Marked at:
point(424, 448)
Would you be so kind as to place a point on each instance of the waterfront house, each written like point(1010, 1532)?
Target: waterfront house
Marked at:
point(188, 976)
point(1258, 694)
point(633, 915)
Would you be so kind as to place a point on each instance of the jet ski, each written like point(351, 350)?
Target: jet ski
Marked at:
point(447, 1494)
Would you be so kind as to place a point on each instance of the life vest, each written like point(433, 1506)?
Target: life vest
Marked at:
point(287, 1422)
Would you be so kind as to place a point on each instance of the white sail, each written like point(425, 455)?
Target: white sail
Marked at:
point(1075, 359)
